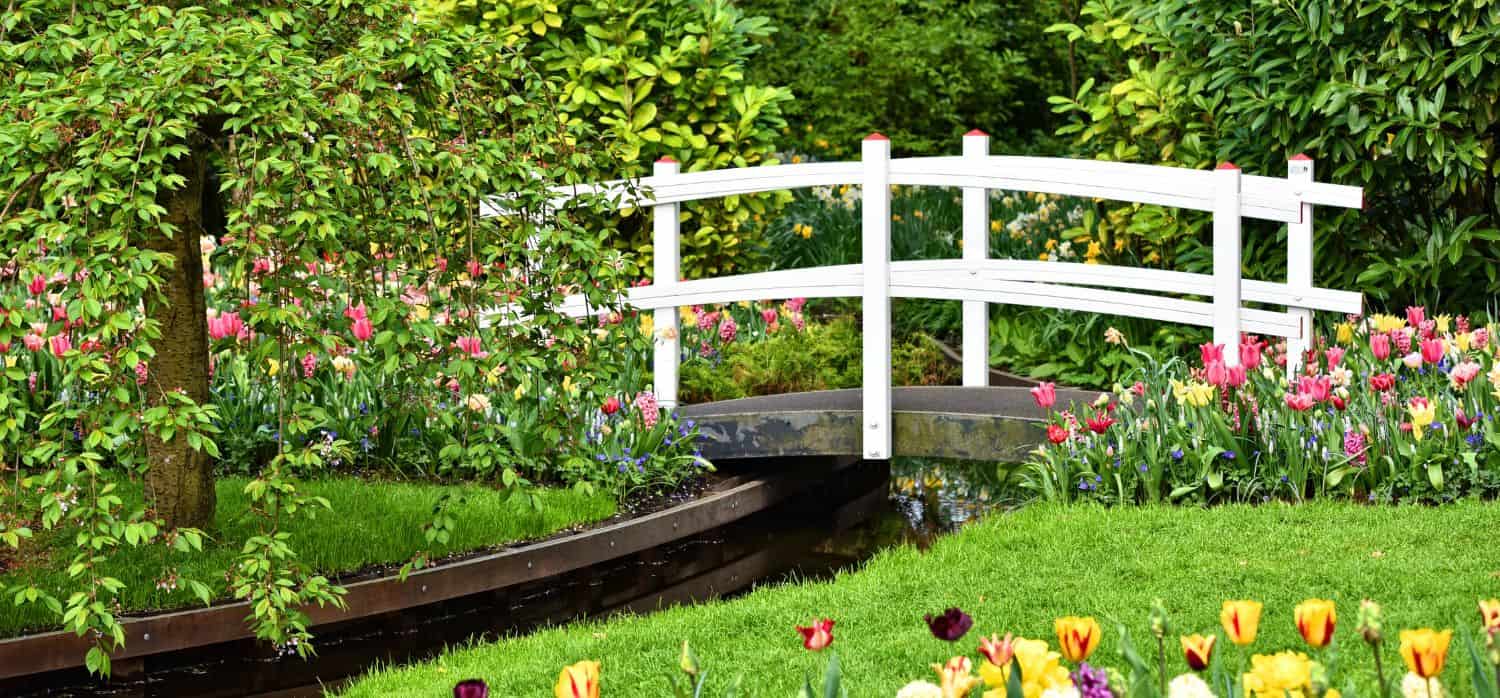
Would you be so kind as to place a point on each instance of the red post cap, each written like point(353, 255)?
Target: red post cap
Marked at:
point(1227, 165)
point(667, 158)
point(876, 136)
point(1300, 157)
point(976, 132)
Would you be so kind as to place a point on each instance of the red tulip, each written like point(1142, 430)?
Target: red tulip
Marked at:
point(1338, 402)
point(1099, 423)
point(818, 636)
point(1432, 350)
point(1382, 382)
point(1056, 434)
point(37, 286)
point(1380, 346)
point(1464, 420)
point(1045, 395)
point(611, 405)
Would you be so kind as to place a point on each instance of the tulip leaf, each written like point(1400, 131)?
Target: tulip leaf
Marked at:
point(831, 677)
point(1435, 475)
point(1484, 687)
point(1013, 682)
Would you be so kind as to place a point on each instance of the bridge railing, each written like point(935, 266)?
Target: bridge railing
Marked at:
point(978, 281)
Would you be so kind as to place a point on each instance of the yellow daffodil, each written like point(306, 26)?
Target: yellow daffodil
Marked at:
point(1280, 675)
point(579, 680)
point(420, 312)
point(1425, 651)
point(1316, 619)
point(1241, 620)
point(568, 386)
point(1041, 669)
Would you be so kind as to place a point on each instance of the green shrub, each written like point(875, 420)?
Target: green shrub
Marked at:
point(921, 71)
point(659, 79)
point(1397, 97)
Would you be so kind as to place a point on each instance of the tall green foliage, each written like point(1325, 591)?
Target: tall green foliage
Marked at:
point(1396, 96)
point(920, 71)
point(661, 79)
point(339, 152)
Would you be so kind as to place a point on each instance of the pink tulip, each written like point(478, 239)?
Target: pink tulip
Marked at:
point(1334, 355)
point(1211, 352)
point(1216, 373)
point(1317, 388)
point(225, 325)
point(1380, 346)
point(1412, 360)
point(1045, 395)
point(33, 342)
point(1432, 350)
point(357, 312)
point(1464, 372)
point(60, 344)
point(1237, 376)
point(768, 316)
point(473, 346)
point(1250, 352)
point(1300, 402)
point(1415, 314)
point(442, 264)
point(363, 330)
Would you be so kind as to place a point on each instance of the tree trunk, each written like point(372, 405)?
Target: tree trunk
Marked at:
point(179, 481)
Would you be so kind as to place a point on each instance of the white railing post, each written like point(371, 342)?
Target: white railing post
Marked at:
point(1227, 261)
point(875, 235)
point(665, 270)
point(1299, 264)
point(976, 341)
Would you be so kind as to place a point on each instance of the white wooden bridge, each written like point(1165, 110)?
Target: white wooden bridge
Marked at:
point(1155, 294)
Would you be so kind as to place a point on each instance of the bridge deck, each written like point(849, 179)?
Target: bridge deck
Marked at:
point(996, 423)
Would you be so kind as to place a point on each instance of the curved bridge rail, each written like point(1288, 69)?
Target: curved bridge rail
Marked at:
point(977, 281)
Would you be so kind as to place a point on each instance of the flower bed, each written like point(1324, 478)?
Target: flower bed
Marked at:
point(1386, 409)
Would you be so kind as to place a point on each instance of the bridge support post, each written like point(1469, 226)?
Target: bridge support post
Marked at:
point(1299, 264)
point(1227, 261)
point(875, 309)
point(976, 340)
point(665, 270)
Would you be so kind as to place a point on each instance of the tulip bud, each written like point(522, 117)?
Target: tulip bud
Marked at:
point(688, 662)
point(1160, 624)
point(1369, 621)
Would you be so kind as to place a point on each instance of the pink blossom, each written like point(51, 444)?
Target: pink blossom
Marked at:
point(261, 265)
point(309, 364)
point(142, 372)
point(706, 321)
point(362, 329)
point(357, 312)
point(442, 264)
point(1415, 314)
point(60, 344)
point(727, 329)
point(474, 268)
point(645, 401)
point(473, 346)
point(1354, 446)
point(1334, 355)
point(795, 304)
point(1461, 323)
point(798, 322)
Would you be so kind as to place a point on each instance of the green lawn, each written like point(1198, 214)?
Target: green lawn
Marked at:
point(371, 523)
point(1015, 573)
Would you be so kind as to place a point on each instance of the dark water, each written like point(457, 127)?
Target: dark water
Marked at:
point(836, 525)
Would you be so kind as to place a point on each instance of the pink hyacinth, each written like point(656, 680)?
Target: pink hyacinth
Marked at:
point(795, 304)
point(142, 372)
point(645, 401)
point(727, 329)
point(1403, 341)
point(706, 320)
point(1354, 446)
point(1428, 329)
point(1461, 323)
point(1480, 338)
point(798, 322)
point(309, 364)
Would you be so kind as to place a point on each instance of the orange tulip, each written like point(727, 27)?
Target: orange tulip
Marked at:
point(1241, 620)
point(1198, 649)
point(1077, 637)
point(1490, 612)
point(579, 680)
point(1316, 619)
point(1425, 651)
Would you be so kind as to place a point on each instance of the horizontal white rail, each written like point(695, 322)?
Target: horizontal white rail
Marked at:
point(1211, 300)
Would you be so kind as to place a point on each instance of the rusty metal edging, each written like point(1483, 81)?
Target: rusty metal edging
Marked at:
point(168, 632)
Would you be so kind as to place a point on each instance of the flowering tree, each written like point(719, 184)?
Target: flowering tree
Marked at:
point(319, 153)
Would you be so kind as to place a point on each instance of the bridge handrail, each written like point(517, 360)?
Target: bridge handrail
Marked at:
point(978, 281)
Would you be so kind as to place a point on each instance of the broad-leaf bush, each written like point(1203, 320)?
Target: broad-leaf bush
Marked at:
point(1396, 97)
point(662, 79)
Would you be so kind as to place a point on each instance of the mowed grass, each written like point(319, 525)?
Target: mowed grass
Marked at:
point(1016, 573)
point(371, 523)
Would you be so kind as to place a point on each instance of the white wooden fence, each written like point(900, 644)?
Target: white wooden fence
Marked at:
point(978, 281)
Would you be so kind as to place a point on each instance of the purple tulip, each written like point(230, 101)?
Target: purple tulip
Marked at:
point(950, 626)
point(471, 688)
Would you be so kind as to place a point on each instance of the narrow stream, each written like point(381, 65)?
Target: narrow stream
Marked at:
point(837, 525)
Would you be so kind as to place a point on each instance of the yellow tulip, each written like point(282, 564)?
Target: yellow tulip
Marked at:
point(1423, 413)
point(579, 680)
point(648, 324)
point(1442, 323)
point(1425, 651)
point(1388, 323)
point(1041, 669)
point(956, 677)
point(1316, 619)
point(1241, 620)
point(272, 367)
point(1280, 675)
point(1345, 332)
point(10, 362)
point(1077, 637)
point(1464, 340)
point(1490, 612)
